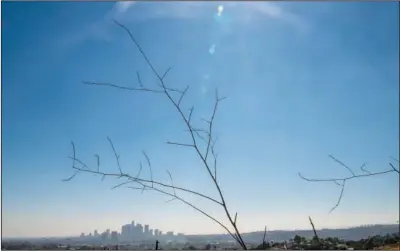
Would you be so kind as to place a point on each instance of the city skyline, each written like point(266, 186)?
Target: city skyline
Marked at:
point(303, 81)
point(131, 232)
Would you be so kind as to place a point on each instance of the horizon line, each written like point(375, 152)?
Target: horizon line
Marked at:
point(274, 230)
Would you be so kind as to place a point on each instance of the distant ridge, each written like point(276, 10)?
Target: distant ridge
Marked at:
point(351, 233)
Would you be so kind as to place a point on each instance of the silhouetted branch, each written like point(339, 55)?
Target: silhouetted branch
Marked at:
point(345, 179)
point(137, 179)
point(191, 205)
point(140, 170)
point(183, 94)
point(315, 231)
point(170, 200)
point(123, 87)
point(342, 164)
point(364, 170)
point(194, 135)
point(115, 154)
point(98, 161)
point(172, 181)
point(394, 169)
point(165, 74)
point(340, 197)
point(179, 144)
point(149, 164)
point(73, 163)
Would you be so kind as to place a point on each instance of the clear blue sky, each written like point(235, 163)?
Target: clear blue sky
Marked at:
point(303, 80)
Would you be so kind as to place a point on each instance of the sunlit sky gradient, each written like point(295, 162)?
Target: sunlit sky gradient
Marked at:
point(303, 80)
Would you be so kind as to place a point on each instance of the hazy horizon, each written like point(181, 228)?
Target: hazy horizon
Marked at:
point(302, 79)
point(271, 230)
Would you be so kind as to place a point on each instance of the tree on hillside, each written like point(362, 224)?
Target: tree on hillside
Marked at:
point(202, 140)
point(341, 182)
point(297, 239)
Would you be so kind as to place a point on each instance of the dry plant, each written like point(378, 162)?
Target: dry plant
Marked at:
point(207, 154)
point(342, 181)
point(315, 231)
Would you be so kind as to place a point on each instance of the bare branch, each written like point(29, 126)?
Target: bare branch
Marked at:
point(79, 162)
point(179, 144)
point(190, 115)
point(115, 154)
point(165, 74)
point(139, 80)
point(98, 161)
point(122, 87)
point(141, 167)
point(170, 200)
point(187, 120)
point(139, 48)
point(364, 170)
point(342, 164)
point(340, 197)
point(315, 232)
point(136, 179)
point(343, 180)
point(183, 94)
point(192, 206)
point(71, 177)
point(149, 164)
point(172, 181)
point(123, 183)
point(394, 169)
point(217, 100)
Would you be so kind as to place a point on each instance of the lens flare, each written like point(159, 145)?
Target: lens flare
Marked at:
point(220, 9)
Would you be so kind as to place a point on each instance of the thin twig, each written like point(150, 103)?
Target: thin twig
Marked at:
point(149, 164)
point(172, 181)
point(342, 181)
point(116, 155)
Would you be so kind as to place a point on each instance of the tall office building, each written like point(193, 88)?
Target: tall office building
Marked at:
point(139, 229)
point(156, 231)
point(105, 235)
point(114, 236)
point(126, 232)
point(146, 232)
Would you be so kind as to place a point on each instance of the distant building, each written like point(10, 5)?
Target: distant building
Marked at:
point(146, 232)
point(114, 236)
point(138, 232)
point(126, 232)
